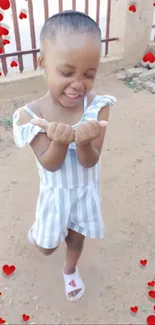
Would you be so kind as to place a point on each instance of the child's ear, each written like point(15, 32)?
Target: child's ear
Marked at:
point(41, 61)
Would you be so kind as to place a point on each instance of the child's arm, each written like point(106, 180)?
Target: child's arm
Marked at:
point(89, 153)
point(50, 153)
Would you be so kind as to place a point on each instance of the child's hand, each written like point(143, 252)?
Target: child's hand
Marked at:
point(88, 131)
point(58, 132)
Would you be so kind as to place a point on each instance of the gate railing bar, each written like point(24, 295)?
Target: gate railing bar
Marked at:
point(6, 55)
point(98, 11)
point(32, 32)
point(108, 26)
point(17, 34)
point(86, 6)
point(4, 63)
point(46, 10)
point(60, 5)
point(73, 4)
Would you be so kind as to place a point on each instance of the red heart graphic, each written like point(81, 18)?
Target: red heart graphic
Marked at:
point(154, 307)
point(149, 57)
point(1, 17)
point(0, 74)
point(0, 292)
point(151, 294)
point(143, 262)
point(151, 284)
point(13, 64)
point(132, 8)
point(2, 321)
point(3, 31)
point(4, 4)
point(146, 58)
point(1, 50)
point(8, 270)
point(134, 309)
point(25, 317)
point(154, 4)
point(22, 15)
point(151, 320)
point(73, 283)
point(5, 42)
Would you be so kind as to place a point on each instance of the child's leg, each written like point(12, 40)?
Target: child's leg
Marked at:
point(74, 249)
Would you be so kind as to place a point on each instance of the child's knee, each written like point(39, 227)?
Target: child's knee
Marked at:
point(74, 240)
point(45, 251)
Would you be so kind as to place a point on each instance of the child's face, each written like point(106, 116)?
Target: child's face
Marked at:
point(71, 62)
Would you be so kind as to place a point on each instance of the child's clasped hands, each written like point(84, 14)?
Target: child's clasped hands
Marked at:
point(66, 134)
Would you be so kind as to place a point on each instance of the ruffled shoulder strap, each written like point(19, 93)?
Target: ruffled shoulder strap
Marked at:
point(91, 113)
point(25, 133)
point(97, 104)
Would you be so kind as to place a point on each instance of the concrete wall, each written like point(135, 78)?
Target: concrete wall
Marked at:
point(132, 29)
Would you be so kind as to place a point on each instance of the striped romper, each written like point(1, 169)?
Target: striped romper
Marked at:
point(69, 198)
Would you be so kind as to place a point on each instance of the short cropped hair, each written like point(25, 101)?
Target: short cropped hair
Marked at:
point(69, 20)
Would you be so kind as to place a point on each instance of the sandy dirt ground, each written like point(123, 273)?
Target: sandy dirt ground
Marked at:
point(110, 267)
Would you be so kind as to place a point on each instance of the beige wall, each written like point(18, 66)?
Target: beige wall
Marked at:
point(132, 29)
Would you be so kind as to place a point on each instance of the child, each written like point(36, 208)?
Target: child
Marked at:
point(66, 130)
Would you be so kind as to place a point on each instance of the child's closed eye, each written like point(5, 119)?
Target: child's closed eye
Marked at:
point(70, 74)
point(66, 74)
point(89, 77)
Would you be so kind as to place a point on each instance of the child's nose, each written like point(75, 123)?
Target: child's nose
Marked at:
point(78, 85)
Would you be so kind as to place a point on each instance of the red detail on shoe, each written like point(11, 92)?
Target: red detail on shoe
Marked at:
point(72, 283)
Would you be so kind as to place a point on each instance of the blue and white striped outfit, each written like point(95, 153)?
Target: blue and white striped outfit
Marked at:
point(69, 198)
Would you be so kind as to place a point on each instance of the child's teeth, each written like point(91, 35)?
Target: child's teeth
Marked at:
point(72, 96)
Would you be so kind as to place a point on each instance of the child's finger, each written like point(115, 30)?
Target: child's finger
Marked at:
point(103, 123)
point(42, 123)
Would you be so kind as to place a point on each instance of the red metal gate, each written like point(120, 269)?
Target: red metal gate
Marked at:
point(34, 50)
